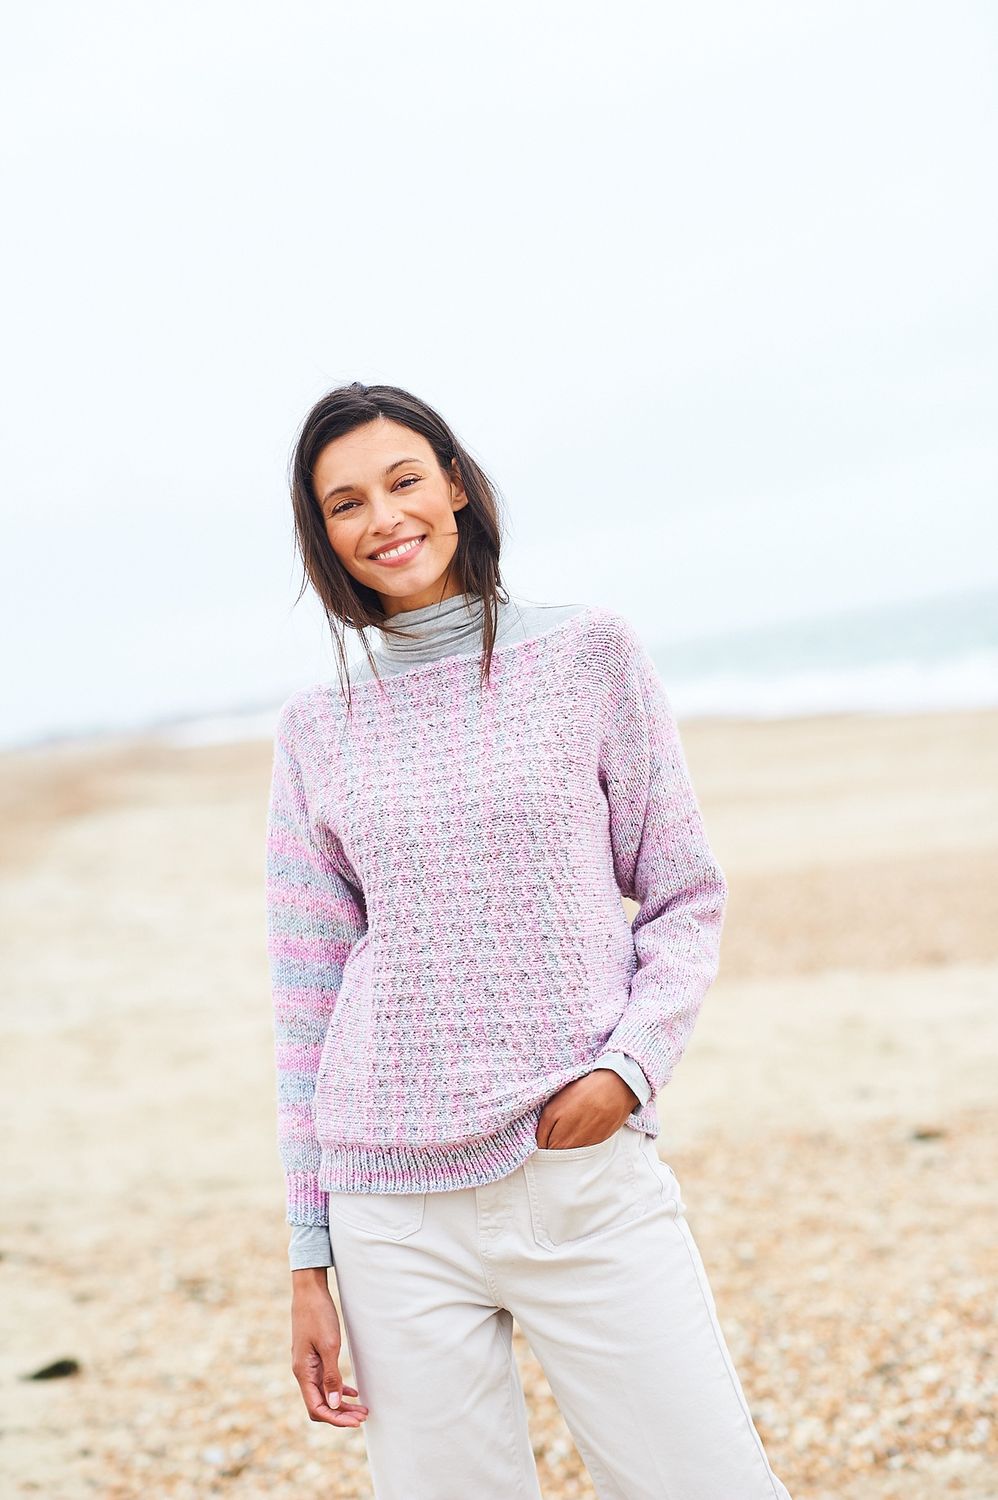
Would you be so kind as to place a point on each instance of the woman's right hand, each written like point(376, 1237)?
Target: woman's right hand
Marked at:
point(315, 1352)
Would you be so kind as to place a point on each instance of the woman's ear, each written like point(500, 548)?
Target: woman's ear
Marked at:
point(460, 498)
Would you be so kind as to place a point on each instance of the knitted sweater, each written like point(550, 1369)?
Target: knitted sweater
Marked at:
point(444, 926)
point(427, 634)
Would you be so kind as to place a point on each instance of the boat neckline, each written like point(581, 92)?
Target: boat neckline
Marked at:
point(419, 668)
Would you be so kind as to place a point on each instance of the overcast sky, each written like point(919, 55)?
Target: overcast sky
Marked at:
point(709, 290)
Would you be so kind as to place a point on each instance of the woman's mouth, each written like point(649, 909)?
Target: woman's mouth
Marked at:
point(393, 557)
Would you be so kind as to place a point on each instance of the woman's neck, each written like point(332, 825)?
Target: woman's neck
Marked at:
point(435, 630)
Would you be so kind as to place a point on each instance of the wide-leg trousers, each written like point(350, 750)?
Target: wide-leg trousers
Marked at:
point(589, 1249)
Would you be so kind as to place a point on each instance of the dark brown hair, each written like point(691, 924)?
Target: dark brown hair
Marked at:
point(348, 603)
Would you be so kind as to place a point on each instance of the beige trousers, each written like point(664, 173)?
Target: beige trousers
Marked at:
point(590, 1251)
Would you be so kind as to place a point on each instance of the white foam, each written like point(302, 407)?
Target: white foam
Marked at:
point(220, 729)
point(895, 687)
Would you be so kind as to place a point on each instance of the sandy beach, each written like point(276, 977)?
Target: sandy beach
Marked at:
point(833, 1123)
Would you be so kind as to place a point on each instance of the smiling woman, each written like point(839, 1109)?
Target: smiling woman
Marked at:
point(469, 1034)
point(377, 479)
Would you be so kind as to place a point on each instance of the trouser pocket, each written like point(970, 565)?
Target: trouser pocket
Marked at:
point(585, 1191)
point(390, 1216)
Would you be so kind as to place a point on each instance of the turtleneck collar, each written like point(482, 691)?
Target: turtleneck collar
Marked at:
point(434, 630)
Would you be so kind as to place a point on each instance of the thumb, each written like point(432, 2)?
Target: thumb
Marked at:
point(331, 1381)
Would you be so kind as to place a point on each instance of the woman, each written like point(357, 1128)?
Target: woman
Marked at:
point(470, 1037)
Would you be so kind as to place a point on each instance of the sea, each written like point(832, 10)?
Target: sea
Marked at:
point(927, 655)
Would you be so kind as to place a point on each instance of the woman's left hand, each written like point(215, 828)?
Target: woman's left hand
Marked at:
point(586, 1111)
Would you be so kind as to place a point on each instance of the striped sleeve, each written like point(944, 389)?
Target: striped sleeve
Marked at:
point(662, 860)
point(314, 916)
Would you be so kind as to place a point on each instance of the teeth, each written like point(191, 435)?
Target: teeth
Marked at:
point(400, 551)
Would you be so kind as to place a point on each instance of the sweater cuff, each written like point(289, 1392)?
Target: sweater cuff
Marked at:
point(307, 1202)
point(630, 1071)
point(309, 1246)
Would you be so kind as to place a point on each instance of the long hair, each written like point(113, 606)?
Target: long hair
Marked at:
point(353, 605)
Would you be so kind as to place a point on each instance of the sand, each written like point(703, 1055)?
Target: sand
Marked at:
point(832, 1123)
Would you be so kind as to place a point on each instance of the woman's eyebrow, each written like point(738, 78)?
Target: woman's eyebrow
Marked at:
point(396, 465)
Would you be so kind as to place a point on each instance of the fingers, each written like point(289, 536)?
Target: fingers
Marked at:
point(330, 1407)
point(315, 1366)
point(327, 1405)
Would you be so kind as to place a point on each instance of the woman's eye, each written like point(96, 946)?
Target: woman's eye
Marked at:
point(344, 505)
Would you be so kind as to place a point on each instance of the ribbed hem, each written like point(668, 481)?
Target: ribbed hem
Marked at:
point(436, 1168)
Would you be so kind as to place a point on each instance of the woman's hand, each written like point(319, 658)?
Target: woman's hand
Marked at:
point(586, 1111)
point(315, 1352)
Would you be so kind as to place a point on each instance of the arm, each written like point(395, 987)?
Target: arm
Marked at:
point(315, 915)
point(662, 860)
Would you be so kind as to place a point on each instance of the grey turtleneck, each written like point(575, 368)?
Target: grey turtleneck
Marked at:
point(454, 628)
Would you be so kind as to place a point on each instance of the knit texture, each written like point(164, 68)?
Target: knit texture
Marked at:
point(445, 934)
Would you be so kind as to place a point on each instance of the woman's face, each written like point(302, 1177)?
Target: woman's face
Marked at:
point(378, 487)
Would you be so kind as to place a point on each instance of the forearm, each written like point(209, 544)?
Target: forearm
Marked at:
point(308, 1280)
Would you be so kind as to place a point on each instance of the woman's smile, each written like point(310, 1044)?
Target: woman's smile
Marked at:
point(397, 553)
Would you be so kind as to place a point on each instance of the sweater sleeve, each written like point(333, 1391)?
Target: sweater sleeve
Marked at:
point(314, 916)
point(662, 860)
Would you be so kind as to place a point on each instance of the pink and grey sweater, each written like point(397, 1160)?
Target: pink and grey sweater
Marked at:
point(445, 933)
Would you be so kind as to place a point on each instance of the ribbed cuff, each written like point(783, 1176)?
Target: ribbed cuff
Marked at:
point(307, 1202)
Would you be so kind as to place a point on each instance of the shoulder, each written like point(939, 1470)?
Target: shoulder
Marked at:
point(599, 647)
point(596, 627)
point(297, 715)
point(622, 670)
point(611, 640)
point(612, 626)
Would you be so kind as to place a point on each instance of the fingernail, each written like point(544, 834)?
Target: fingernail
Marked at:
point(333, 1398)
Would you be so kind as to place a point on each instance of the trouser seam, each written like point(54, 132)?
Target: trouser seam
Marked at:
point(739, 1395)
point(511, 1375)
